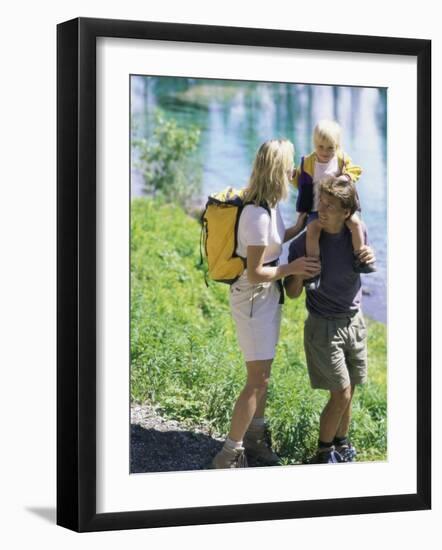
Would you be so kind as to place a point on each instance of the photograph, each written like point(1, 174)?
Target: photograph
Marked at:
point(258, 274)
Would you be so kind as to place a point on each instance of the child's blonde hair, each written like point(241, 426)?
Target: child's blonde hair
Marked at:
point(269, 182)
point(329, 131)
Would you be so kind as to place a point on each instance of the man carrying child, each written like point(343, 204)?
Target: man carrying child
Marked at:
point(335, 336)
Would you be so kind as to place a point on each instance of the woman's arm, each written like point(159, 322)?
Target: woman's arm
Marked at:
point(259, 273)
point(294, 230)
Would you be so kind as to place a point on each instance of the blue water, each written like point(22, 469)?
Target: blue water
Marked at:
point(236, 117)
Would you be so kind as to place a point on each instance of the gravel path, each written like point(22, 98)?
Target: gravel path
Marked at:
point(161, 445)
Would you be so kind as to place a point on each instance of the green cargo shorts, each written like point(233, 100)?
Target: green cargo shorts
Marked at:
point(336, 351)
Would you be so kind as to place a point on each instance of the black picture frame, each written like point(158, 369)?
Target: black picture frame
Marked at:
point(77, 287)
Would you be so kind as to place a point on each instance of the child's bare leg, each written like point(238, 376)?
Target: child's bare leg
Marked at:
point(357, 234)
point(312, 240)
point(354, 224)
point(312, 250)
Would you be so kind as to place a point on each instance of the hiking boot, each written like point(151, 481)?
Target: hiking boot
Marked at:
point(329, 455)
point(313, 283)
point(229, 458)
point(347, 452)
point(258, 446)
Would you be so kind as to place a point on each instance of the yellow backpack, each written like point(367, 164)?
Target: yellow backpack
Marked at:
point(219, 234)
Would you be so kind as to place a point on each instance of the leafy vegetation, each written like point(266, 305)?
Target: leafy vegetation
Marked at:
point(185, 356)
point(168, 168)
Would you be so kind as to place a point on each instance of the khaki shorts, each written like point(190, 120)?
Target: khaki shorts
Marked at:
point(257, 314)
point(336, 351)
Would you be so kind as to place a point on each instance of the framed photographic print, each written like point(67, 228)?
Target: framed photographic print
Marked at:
point(163, 372)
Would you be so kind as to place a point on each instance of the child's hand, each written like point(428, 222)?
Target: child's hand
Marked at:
point(344, 177)
point(366, 255)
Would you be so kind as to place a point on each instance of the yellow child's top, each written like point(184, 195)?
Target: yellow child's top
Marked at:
point(345, 164)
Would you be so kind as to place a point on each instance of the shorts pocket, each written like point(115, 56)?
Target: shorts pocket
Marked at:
point(316, 332)
point(360, 330)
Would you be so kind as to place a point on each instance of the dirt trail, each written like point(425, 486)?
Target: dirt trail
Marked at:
point(161, 445)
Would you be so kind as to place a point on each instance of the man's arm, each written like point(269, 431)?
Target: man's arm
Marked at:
point(293, 286)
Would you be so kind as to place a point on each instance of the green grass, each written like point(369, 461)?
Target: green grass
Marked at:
point(185, 356)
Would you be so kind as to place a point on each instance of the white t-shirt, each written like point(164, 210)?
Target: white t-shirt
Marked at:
point(257, 228)
point(323, 169)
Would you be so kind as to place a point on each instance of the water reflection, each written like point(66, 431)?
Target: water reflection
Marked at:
point(236, 117)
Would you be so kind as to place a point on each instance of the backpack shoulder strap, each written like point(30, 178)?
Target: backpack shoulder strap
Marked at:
point(261, 204)
point(266, 208)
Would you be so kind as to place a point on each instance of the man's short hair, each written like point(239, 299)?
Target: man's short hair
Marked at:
point(345, 191)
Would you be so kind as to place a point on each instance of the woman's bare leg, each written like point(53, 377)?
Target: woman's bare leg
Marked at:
point(252, 398)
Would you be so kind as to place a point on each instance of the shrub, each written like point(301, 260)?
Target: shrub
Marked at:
point(166, 162)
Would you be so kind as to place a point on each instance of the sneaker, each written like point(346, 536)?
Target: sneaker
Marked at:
point(258, 446)
point(347, 452)
point(362, 267)
point(313, 283)
point(229, 458)
point(328, 455)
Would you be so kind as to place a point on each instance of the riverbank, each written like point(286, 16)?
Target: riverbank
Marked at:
point(185, 358)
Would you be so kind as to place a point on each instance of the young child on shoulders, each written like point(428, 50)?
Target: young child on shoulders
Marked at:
point(327, 159)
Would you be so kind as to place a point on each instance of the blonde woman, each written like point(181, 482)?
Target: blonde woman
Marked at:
point(256, 299)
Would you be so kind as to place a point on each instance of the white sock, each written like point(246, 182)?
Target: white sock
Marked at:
point(230, 444)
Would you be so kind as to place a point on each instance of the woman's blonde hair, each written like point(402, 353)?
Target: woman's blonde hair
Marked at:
point(269, 182)
point(329, 131)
